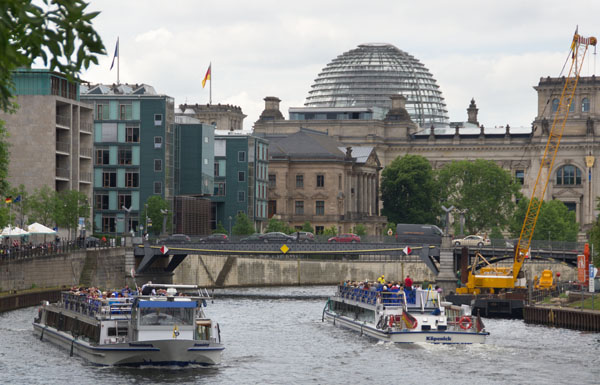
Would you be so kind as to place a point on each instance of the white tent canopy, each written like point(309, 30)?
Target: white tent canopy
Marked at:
point(38, 228)
point(13, 232)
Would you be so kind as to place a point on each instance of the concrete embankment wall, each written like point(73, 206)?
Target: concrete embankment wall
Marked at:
point(92, 267)
point(17, 301)
point(219, 271)
point(586, 320)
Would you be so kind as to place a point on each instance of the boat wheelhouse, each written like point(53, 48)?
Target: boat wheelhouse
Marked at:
point(170, 329)
point(410, 316)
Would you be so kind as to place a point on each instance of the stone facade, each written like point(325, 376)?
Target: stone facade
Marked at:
point(221, 116)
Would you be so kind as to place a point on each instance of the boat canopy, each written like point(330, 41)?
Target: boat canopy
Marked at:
point(164, 304)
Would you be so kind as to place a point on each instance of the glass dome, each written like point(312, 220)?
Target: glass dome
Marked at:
point(368, 75)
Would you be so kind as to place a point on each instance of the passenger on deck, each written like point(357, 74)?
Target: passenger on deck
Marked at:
point(147, 289)
point(408, 282)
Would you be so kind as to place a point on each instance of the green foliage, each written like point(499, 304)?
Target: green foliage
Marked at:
point(275, 225)
point(69, 207)
point(594, 237)
point(42, 206)
point(243, 225)
point(308, 227)
point(330, 231)
point(555, 222)
point(360, 229)
point(59, 32)
point(220, 229)
point(483, 188)
point(409, 191)
point(154, 204)
point(4, 152)
point(389, 226)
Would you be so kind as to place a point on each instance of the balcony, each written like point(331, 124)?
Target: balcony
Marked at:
point(85, 152)
point(63, 120)
point(85, 177)
point(63, 147)
point(63, 173)
point(86, 128)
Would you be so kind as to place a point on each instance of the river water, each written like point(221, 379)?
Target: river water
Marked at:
point(283, 341)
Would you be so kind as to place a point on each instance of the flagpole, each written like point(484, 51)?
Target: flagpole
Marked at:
point(210, 86)
point(118, 60)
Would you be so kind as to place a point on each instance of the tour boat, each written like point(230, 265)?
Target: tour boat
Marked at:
point(168, 329)
point(409, 316)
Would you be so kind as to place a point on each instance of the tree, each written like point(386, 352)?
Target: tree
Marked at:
point(43, 204)
point(275, 225)
point(308, 227)
point(243, 225)
point(360, 229)
point(409, 192)
point(220, 229)
point(4, 156)
point(330, 231)
point(59, 33)
point(154, 204)
point(19, 209)
point(555, 222)
point(71, 205)
point(483, 188)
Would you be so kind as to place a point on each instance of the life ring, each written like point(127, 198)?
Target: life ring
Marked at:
point(465, 322)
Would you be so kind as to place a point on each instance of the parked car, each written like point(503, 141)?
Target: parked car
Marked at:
point(215, 238)
point(251, 238)
point(472, 240)
point(176, 238)
point(277, 237)
point(347, 238)
point(92, 242)
point(304, 236)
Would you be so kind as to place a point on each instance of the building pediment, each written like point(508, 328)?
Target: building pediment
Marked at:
point(373, 160)
point(299, 195)
point(566, 193)
point(319, 195)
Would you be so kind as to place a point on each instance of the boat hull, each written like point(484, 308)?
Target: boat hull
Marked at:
point(407, 336)
point(158, 352)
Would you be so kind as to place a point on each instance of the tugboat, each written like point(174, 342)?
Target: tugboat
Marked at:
point(169, 328)
point(411, 316)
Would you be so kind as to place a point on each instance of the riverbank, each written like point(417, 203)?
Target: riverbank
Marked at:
point(19, 299)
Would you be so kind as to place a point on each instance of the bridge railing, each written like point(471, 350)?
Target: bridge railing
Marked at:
point(47, 249)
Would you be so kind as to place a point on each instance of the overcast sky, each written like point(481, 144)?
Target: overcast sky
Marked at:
point(494, 51)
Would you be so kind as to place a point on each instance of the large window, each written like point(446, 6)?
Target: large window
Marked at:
point(158, 142)
point(272, 180)
point(157, 165)
point(132, 179)
point(108, 225)
point(158, 188)
point(109, 132)
point(124, 200)
point(102, 111)
point(241, 156)
point(125, 156)
point(241, 176)
point(133, 134)
point(102, 156)
point(299, 208)
point(520, 176)
point(568, 175)
point(241, 196)
point(109, 178)
point(554, 105)
point(101, 202)
point(219, 189)
point(125, 112)
point(320, 180)
point(585, 105)
point(320, 208)
point(299, 180)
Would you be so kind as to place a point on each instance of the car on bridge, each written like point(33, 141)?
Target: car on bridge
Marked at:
point(472, 240)
point(175, 238)
point(344, 238)
point(276, 237)
point(215, 238)
point(251, 238)
point(304, 236)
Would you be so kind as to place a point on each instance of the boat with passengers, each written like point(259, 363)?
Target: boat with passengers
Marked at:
point(168, 328)
point(404, 316)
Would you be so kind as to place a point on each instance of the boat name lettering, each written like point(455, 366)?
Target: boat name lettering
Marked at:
point(429, 338)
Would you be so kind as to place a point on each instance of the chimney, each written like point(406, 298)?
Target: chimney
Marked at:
point(398, 102)
point(272, 103)
point(472, 112)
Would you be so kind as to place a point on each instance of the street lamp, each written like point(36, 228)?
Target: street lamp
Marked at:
point(126, 225)
point(230, 225)
point(447, 210)
point(462, 219)
point(164, 226)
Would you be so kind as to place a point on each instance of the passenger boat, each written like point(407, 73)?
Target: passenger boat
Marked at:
point(170, 329)
point(410, 316)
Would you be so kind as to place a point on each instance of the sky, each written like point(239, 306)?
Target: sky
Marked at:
point(492, 51)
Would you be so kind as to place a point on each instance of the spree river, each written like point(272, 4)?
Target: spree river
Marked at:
point(272, 340)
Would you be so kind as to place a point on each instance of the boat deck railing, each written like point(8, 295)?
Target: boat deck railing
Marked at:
point(404, 298)
point(105, 308)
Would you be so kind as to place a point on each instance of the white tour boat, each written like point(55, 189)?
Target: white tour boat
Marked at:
point(170, 329)
point(416, 315)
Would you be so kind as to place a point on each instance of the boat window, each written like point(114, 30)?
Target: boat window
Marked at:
point(166, 316)
point(112, 332)
point(202, 330)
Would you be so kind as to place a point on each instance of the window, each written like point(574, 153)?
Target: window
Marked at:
point(272, 180)
point(102, 111)
point(157, 119)
point(124, 200)
point(219, 189)
point(571, 206)
point(108, 225)
point(158, 142)
point(125, 112)
point(320, 180)
point(585, 105)
point(206, 139)
point(241, 196)
point(272, 209)
point(241, 156)
point(157, 165)
point(109, 132)
point(241, 176)
point(102, 156)
point(320, 208)
point(217, 169)
point(109, 178)
point(571, 105)
point(158, 187)
point(132, 179)
point(568, 175)
point(299, 208)
point(340, 182)
point(319, 229)
point(101, 202)
point(132, 134)
point(125, 156)
point(520, 176)
point(205, 160)
point(300, 180)
point(554, 105)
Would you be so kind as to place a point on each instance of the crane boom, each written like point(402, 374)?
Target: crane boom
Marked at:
point(579, 47)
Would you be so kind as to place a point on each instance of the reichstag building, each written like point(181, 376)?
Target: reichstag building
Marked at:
point(378, 95)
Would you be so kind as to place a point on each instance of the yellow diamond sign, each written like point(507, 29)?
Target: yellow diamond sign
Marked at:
point(284, 249)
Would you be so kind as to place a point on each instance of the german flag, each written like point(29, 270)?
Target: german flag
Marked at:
point(8, 200)
point(207, 76)
point(409, 320)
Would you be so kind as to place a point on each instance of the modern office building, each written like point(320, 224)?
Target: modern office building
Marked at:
point(50, 135)
point(240, 179)
point(133, 152)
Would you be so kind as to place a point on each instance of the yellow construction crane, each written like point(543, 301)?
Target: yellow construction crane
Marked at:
point(490, 278)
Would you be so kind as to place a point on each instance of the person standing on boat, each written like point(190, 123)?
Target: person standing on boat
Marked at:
point(408, 282)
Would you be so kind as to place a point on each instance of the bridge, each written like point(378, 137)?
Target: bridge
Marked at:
point(163, 259)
